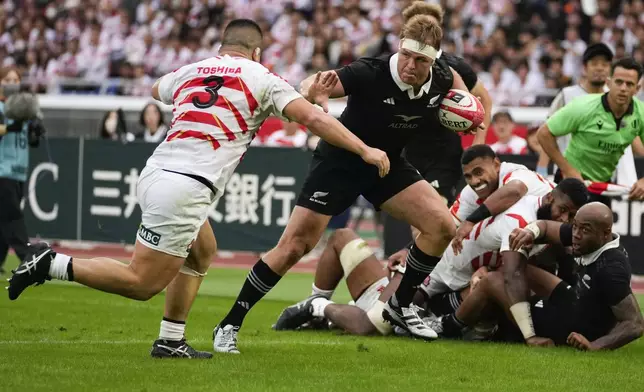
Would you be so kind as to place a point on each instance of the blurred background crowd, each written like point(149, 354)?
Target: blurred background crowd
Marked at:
point(523, 51)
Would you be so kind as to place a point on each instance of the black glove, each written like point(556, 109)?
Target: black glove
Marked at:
point(35, 130)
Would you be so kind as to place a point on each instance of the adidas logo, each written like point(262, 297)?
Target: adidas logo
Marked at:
point(244, 304)
point(389, 101)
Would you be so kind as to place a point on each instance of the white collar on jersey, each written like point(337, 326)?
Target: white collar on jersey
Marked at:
point(393, 68)
point(592, 257)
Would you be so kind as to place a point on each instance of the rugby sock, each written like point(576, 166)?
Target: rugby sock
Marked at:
point(260, 280)
point(419, 266)
point(61, 268)
point(172, 329)
point(324, 293)
point(452, 326)
point(318, 305)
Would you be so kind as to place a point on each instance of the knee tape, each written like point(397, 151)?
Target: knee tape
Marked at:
point(189, 271)
point(375, 316)
point(353, 254)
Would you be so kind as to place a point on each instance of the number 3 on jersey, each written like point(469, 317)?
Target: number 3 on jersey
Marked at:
point(213, 84)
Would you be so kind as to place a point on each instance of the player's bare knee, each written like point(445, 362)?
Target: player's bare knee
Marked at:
point(294, 249)
point(341, 237)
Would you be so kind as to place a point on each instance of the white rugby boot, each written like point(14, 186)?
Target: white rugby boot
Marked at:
point(409, 320)
point(225, 339)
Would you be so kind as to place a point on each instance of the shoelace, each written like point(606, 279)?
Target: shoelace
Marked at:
point(229, 337)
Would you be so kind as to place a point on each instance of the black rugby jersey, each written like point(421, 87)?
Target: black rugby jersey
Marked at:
point(441, 150)
point(603, 280)
point(379, 112)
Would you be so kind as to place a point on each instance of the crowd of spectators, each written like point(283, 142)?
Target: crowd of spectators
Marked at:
point(523, 51)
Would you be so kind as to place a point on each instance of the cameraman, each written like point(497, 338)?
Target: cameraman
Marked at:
point(20, 127)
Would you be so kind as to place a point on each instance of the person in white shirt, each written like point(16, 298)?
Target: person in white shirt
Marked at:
point(219, 104)
point(508, 142)
point(291, 135)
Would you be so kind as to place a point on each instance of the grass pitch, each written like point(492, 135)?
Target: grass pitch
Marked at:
point(64, 337)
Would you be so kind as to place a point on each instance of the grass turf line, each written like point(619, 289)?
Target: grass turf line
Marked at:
point(66, 337)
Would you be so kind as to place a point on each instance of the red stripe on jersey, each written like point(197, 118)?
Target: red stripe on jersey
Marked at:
point(545, 181)
point(505, 179)
point(456, 206)
point(487, 257)
point(206, 118)
point(224, 103)
point(194, 134)
point(236, 83)
point(522, 222)
point(196, 82)
point(221, 102)
point(478, 231)
point(490, 221)
point(476, 263)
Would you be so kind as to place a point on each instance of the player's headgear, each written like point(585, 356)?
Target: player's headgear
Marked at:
point(477, 151)
point(575, 190)
point(421, 33)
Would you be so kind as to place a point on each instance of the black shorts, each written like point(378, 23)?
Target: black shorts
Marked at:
point(445, 182)
point(11, 192)
point(444, 303)
point(552, 317)
point(333, 185)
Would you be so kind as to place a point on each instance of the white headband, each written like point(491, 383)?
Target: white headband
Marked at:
point(415, 46)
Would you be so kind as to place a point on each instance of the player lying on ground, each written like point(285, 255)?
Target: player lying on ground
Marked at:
point(489, 244)
point(370, 285)
point(390, 99)
point(219, 103)
point(599, 312)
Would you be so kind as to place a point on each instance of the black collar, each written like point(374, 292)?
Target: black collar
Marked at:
point(629, 111)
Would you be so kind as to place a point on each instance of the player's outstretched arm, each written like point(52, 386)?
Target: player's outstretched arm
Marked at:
point(629, 327)
point(331, 130)
point(548, 143)
point(498, 202)
point(541, 231)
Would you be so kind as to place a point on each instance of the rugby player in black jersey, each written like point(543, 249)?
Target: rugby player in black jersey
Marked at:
point(391, 98)
point(599, 311)
point(437, 154)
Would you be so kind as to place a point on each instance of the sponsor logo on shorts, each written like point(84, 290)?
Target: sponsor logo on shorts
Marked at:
point(149, 236)
point(317, 196)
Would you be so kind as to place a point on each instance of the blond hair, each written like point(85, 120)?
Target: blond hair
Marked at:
point(422, 8)
point(423, 29)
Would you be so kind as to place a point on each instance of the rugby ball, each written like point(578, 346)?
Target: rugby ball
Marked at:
point(460, 111)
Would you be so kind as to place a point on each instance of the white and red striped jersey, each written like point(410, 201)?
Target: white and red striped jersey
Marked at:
point(219, 104)
point(515, 146)
point(467, 201)
point(483, 246)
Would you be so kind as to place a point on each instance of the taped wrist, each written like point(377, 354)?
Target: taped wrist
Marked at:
point(521, 313)
point(534, 229)
point(479, 214)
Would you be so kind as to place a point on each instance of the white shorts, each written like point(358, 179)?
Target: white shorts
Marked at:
point(173, 209)
point(369, 302)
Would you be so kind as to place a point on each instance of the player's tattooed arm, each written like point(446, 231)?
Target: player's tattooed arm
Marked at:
point(629, 326)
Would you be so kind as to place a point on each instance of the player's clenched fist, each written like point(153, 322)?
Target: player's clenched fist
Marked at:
point(521, 238)
point(378, 158)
